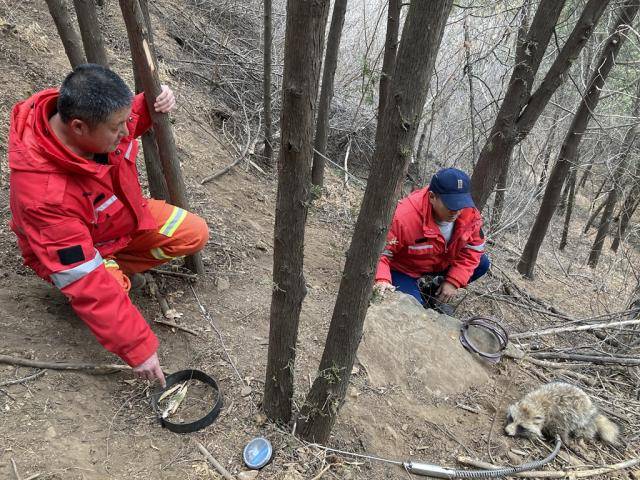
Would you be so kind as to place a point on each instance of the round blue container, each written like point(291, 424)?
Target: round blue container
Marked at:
point(257, 453)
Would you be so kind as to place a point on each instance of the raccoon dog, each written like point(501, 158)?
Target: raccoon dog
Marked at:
point(559, 409)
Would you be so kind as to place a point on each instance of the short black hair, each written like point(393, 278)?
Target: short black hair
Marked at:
point(91, 93)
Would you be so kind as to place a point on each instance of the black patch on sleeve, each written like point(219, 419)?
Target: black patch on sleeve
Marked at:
point(71, 255)
point(98, 198)
point(422, 240)
point(482, 233)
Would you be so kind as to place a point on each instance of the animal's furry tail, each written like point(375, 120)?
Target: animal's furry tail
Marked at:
point(607, 430)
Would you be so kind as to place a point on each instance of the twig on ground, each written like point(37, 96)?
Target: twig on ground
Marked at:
point(568, 473)
point(15, 469)
point(22, 380)
point(595, 326)
point(322, 472)
point(175, 325)
point(155, 291)
point(85, 367)
point(221, 470)
point(597, 359)
point(168, 273)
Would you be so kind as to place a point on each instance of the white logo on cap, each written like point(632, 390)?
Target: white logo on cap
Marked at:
point(460, 185)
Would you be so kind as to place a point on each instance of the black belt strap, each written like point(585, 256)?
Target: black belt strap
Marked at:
point(181, 376)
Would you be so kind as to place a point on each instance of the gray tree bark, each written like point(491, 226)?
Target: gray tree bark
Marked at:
point(157, 184)
point(67, 32)
point(421, 39)
point(266, 84)
point(326, 92)
point(144, 58)
point(91, 32)
point(304, 39)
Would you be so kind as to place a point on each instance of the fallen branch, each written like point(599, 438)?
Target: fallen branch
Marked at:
point(569, 473)
point(221, 470)
point(595, 326)
point(168, 273)
point(155, 291)
point(175, 325)
point(582, 357)
point(85, 367)
point(22, 380)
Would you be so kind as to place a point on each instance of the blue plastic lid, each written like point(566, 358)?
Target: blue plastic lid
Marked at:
point(257, 453)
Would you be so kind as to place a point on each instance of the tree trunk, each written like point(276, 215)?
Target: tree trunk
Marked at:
point(155, 176)
point(67, 32)
point(266, 84)
point(571, 143)
point(390, 52)
point(618, 181)
point(593, 217)
point(304, 38)
point(548, 147)
point(145, 61)
point(569, 205)
point(629, 206)
point(326, 93)
point(421, 38)
point(520, 109)
point(91, 32)
point(498, 203)
point(468, 68)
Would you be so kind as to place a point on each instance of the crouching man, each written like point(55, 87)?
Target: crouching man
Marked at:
point(77, 206)
point(435, 244)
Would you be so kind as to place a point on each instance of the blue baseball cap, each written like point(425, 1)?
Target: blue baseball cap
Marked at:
point(453, 187)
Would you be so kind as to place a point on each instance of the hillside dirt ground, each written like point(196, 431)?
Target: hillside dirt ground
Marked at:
point(68, 425)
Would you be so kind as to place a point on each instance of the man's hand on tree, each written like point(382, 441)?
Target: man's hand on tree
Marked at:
point(150, 370)
point(446, 292)
point(166, 101)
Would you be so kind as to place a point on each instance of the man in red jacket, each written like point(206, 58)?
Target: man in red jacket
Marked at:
point(77, 206)
point(436, 235)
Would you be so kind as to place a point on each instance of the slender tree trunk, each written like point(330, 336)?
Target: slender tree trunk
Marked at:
point(266, 84)
point(567, 186)
point(618, 183)
point(91, 32)
point(548, 147)
point(326, 93)
point(469, 71)
point(67, 32)
point(421, 38)
point(520, 109)
point(157, 183)
point(593, 217)
point(498, 203)
point(144, 59)
point(585, 175)
point(503, 178)
point(390, 52)
point(571, 143)
point(629, 206)
point(569, 205)
point(306, 22)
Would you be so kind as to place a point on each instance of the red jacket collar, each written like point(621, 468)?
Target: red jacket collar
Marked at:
point(30, 132)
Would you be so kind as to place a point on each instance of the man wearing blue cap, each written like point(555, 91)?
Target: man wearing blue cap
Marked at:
point(435, 244)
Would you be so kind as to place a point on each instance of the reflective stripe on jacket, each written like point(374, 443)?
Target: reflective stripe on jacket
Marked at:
point(415, 245)
point(69, 212)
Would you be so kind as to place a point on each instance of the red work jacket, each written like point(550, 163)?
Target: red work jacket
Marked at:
point(415, 245)
point(69, 213)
